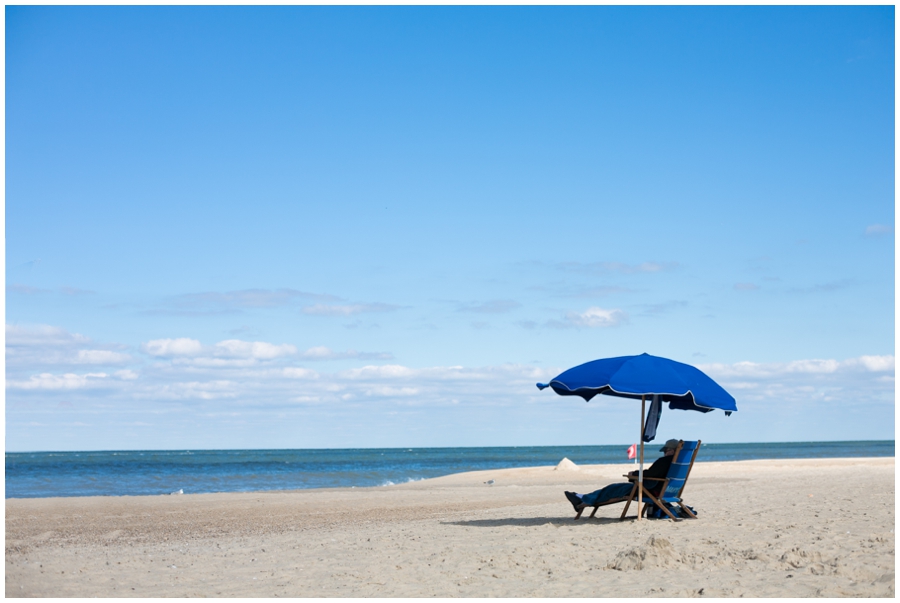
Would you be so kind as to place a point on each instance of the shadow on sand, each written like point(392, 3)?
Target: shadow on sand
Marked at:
point(526, 522)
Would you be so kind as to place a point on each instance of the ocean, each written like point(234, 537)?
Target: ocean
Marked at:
point(137, 473)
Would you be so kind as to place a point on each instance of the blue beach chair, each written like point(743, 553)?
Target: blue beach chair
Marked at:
point(673, 483)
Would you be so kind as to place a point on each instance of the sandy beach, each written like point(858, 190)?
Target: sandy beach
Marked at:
point(774, 528)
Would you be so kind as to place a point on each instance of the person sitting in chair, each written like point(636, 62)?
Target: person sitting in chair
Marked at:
point(660, 468)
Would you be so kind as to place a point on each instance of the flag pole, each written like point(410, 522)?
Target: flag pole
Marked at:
point(641, 470)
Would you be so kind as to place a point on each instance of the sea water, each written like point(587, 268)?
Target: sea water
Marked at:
point(133, 473)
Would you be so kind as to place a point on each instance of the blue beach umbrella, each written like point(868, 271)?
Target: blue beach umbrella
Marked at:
point(662, 380)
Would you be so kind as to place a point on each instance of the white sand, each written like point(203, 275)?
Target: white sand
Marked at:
point(766, 528)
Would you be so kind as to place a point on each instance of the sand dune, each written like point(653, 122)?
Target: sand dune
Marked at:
point(766, 528)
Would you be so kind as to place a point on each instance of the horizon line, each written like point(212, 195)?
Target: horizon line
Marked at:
point(425, 447)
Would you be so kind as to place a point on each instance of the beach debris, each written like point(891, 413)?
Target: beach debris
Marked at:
point(179, 491)
point(490, 482)
point(567, 465)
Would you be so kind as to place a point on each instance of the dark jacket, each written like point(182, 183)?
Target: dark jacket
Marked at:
point(659, 468)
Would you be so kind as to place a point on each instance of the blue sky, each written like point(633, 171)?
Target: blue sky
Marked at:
point(303, 227)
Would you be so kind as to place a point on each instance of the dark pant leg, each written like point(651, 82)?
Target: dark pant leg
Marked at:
point(606, 493)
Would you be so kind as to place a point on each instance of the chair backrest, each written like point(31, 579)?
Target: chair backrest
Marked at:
point(680, 468)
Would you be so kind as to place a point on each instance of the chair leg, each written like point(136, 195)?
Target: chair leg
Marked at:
point(580, 511)
point(688, 511)
point(669, 513)
point(665, 509)
point(661, 505)
point(594, 512)
point(627, 504)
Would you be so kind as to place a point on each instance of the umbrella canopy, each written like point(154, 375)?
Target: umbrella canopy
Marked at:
point(683, 386)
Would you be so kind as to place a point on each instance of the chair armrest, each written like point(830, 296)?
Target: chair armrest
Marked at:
point(634, 477)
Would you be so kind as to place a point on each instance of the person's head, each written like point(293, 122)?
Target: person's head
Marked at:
point(669, 447)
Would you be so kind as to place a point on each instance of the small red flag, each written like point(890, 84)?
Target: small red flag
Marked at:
point(632, 451)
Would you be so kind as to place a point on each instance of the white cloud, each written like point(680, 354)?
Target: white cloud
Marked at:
point(379, 372)
point(875, 363)
point(387, 391)
point(259, 350)
point(294, 372)
point(49, 381)
point(346, 309)
point(318, 352)
point(878, 230)
point(234, 375)
point(39, 347)
point(45, 335)
point(596, 317)
point(200, 390)
point(429, 386)
point(306, 399)
point(25, 289)
point(101, 357)
point(440, 376)
point(862, 379)
point(814, 366)
point(214, 302)
point(213, 362)
point(619, 267)
point(244, 373)
point(227, 353)
point(325, 353)
point(181, 346)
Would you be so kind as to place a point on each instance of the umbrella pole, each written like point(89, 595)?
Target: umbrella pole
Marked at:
point(641, 470)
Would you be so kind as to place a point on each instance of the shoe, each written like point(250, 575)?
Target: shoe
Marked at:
point(575, 500)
